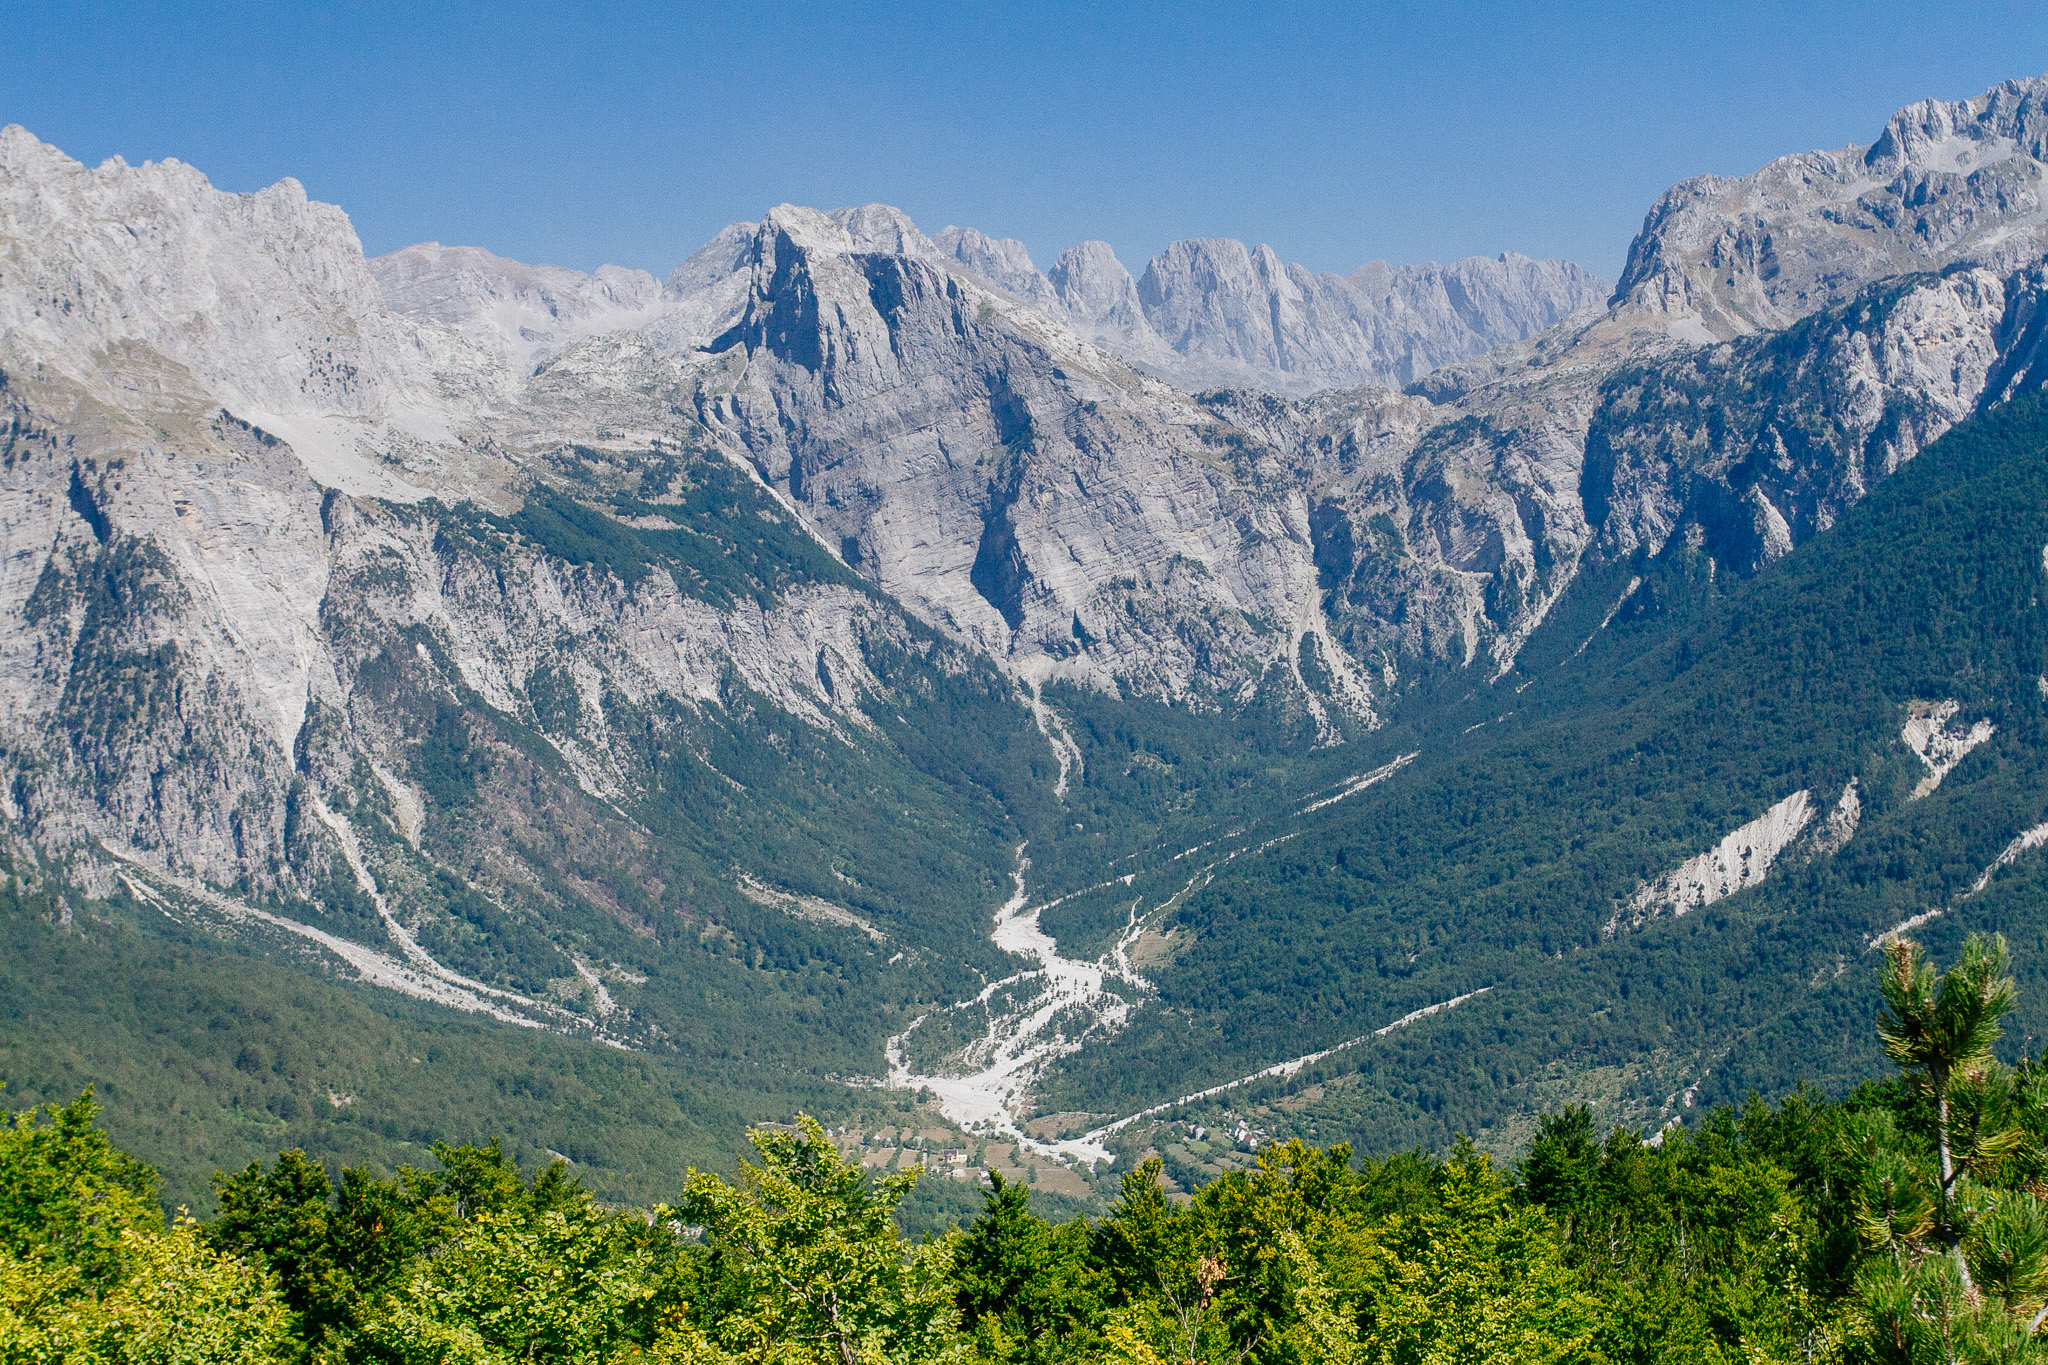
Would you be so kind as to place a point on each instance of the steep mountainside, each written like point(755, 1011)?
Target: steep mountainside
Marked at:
point(512, 752)
point(696, 668)
point(1655, 877)
point(1005, 479)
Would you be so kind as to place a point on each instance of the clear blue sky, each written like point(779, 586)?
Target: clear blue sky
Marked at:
point(630, 133)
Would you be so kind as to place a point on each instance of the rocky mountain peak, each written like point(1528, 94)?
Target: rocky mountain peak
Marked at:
point(1237, 315)
point(1202, 296)
point(718, 260)
point(262, 300)
point(2008, 120)
point(1092, 283)
point(1002, 261)
point(1091, 288)
point(1947, 183)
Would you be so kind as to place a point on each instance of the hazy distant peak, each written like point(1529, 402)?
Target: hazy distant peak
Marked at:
point(1091, 281)
point(731, 250)
point(1002, 261)
point(521, 312)
point(971, 246)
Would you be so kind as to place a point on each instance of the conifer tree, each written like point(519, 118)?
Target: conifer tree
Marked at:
point(1940, 1030)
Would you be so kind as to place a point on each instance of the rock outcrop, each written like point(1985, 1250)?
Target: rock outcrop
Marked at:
point(1002, 477)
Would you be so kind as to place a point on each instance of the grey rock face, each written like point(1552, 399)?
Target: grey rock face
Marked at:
point(1806, 420)
point(879, 227)
point(1093, 286)
point(1945, 183)
point(704, 295)
point(1002, 477)
point(122, 656)
point(227, 286)
point(1101, 300)
point(711, 265)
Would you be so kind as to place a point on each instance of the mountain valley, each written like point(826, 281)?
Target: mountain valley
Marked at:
point(1063, 712)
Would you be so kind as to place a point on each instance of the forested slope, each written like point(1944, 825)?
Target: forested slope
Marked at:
point(203, 1055)
point(1504, 858)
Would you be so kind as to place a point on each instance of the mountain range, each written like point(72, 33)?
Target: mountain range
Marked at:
point(692, 668)
point(1207, 312)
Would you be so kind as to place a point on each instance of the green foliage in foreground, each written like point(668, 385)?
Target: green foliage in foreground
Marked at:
point(1900, 1226)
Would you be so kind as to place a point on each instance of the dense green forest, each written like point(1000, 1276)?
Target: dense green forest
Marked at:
point(1901, 1224)
point(204, 1057)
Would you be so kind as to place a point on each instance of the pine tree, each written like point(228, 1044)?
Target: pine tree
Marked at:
point(1940, 1030)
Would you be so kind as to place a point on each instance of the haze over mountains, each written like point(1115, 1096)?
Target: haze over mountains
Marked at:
point(696, 665)
point(1206, 313)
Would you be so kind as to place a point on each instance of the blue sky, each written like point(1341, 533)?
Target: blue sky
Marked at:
point(630, 133)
